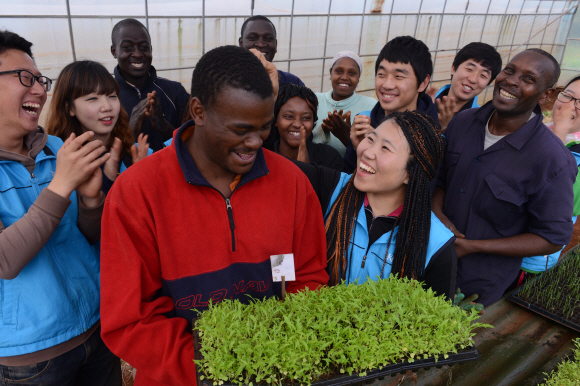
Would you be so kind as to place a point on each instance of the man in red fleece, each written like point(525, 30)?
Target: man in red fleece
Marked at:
point(200, 219)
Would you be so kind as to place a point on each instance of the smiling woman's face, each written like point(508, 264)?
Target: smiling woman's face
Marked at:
point(567, 110)
point(382, 160)
point(344, 76)
point(294, 114)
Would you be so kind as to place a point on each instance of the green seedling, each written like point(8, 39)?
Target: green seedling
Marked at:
point(319, 334)
point(568, 373)
point(557, 290)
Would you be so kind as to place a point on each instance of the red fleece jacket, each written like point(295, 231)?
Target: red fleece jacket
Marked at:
point(167, 248)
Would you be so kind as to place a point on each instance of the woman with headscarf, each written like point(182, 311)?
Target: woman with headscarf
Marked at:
point(379, 220)
point(337, 106)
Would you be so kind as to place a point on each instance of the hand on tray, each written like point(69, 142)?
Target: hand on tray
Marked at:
point(469, 303)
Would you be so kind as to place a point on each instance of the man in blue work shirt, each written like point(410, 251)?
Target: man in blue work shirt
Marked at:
point(155, 105)
point(505, 186)
point(259, 32)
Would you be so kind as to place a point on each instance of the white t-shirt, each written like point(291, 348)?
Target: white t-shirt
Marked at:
point(491, 139)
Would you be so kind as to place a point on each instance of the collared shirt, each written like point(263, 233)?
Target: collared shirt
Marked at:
point(470, 104)
point(521, 184)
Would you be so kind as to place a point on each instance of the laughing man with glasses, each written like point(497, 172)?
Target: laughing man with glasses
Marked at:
point(50, 214)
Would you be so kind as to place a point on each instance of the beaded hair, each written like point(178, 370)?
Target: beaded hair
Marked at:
point(414, 223)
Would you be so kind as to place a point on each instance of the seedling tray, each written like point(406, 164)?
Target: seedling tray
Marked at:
point(573, 323)
point(559, 279)
point(462, 356)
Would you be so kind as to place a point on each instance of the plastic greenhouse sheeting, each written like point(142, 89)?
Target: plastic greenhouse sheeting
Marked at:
point(309, 32)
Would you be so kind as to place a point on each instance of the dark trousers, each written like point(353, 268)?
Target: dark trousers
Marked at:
point(89, 364)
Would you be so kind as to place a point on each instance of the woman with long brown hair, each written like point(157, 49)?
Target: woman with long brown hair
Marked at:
point(86, 98)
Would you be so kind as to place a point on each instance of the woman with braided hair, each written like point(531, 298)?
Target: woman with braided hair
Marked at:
point(379, 220)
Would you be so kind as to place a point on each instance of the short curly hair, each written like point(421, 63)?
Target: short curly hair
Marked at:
point(229, 66)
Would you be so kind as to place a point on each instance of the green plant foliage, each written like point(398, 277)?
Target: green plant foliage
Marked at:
point(318, 334)
point(568, 373)
point(557, 290)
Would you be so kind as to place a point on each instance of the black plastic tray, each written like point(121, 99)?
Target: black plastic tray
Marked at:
point(542, 312)
point(558, 318)
point(465, 355)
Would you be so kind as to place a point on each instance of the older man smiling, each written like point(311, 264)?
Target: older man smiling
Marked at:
point(505, 186)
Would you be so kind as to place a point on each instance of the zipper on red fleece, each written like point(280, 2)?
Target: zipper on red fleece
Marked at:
point(232, 225)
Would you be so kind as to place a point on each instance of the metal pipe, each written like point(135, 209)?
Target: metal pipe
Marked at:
point(518, 22)
point(389, 23)
point(147, 14)
point(439, 32)
point(236, 16)
point(568, 35)
point(70, 30)
point(290, 41)
point(330, 57)
point(484, 21)
point(559, 17)
point(555, 36)
point(418, 17)
point(362, 22)
point(462, 24)
point(498, 39)
point(547, 21)
point(325, 41)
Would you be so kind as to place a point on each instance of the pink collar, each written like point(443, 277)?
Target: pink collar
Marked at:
point(395, 213)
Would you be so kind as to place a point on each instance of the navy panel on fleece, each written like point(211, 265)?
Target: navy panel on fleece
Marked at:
point(241, 281)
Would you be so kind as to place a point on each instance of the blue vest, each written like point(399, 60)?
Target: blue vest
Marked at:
point(439, 237)
point(448, 86)
point(56, 296)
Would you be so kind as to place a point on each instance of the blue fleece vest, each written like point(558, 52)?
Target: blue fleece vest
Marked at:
point(439, 237)
point(448, 86)
point(56, 296)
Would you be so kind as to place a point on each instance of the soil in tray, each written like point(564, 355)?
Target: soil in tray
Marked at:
point(555, 307)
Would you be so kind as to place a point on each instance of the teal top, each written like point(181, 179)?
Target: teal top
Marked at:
point(355, 104)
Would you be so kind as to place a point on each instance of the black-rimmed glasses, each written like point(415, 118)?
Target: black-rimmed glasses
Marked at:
point(565, 98)
point(27, 79)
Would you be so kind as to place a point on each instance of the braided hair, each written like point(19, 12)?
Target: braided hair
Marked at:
point(414, 223)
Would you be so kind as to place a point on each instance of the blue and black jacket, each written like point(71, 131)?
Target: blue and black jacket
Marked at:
point(56, 296)
point(371, 234)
